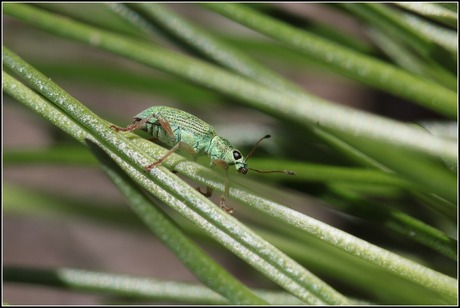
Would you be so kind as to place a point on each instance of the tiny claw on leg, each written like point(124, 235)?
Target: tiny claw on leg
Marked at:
point(150, 167)
point(116, 128)
point(130, 128)
point(208, 192)
point(222, 205)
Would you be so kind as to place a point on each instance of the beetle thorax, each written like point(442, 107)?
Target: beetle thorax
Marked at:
point(221, 149)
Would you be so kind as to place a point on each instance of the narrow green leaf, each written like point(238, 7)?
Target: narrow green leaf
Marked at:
point(344, 61)
point(178, 164)
point(168, 187)
point(375, 255)
point(427, 173)
point(211, 46)
point(394, 25)
point(403, 267)
point(433, 11)
point(235, 60)
point(442, 36)
point(204, 268)
point(303, 110)
point(411, 62)
point(21, 200)
point(138, 288)
point(63, 154)
point(100, 15)
point(402, 223)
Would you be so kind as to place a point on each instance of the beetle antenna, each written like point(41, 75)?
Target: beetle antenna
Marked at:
point(265, 171)
point(255, 147)
point(289, 172)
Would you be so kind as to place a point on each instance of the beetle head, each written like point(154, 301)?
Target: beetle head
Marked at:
point(224, 154)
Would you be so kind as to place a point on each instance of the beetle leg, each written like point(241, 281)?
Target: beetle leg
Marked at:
point(222, 198)
point(222, 164)
point(208, 192)
point(165, 125)
point(222, 205)
point(138, 122)
point(159, 161)
point(153, 139)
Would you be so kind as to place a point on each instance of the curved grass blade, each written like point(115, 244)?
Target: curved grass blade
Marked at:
point(344, 61)
point(135, 288)
point(289, 105)
point(168, 188)
point(205, 268)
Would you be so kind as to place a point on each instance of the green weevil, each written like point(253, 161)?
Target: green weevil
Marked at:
point(179, 129)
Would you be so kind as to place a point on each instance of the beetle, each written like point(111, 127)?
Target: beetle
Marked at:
point(181, 130)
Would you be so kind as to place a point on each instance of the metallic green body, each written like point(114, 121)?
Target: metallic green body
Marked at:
point(193, 134)
point(179, 129)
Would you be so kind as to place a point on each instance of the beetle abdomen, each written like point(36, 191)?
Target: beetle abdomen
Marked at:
point(185, 127)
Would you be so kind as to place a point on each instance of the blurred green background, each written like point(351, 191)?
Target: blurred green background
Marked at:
point(60, 210)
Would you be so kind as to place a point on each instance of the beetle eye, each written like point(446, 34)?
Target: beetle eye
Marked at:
point(236, 155)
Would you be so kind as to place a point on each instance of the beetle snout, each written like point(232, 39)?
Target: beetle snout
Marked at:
point(243, 170)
